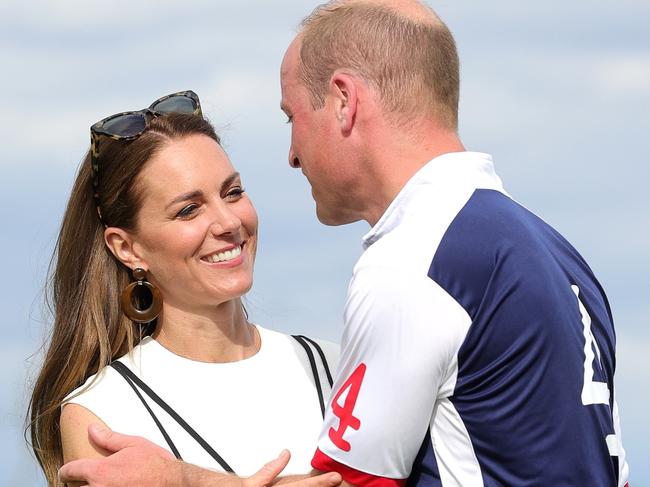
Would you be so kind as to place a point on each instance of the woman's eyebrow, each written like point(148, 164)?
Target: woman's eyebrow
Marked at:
point(185, 197)
point(198, 193)
point(229, 180)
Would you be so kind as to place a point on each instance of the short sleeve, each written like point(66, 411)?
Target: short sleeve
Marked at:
point(398, 352)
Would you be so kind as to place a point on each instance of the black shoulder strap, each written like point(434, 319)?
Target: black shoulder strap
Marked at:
point(119, 367)
point(322, 357)
point(131, 378)
point(302, 340)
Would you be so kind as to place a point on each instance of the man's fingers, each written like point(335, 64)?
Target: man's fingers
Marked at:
point(270, 471)
point(77, 470)
point(330, 479)
point(109, 440)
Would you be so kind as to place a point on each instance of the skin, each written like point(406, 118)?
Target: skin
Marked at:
point(356, 159)
point(162, 469)
point(354, 156)
point(193, 206)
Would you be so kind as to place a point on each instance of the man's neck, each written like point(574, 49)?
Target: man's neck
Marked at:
point(395, 162)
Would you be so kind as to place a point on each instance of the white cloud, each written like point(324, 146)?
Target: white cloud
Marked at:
point(72, 14)
point(627, 75)
point(245, 91)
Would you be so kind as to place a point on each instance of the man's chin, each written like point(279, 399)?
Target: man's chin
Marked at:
point(333, 219)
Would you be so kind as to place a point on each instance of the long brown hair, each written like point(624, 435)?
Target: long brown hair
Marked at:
point(85, 279)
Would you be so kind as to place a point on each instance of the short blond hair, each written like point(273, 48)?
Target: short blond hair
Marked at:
point(410, 61)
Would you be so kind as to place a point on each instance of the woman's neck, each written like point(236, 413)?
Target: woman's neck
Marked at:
point(221, 334)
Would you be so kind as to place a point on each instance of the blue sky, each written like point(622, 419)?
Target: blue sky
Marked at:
point(558, 92)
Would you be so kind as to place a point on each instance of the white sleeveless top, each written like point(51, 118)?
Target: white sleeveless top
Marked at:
point(248, 411)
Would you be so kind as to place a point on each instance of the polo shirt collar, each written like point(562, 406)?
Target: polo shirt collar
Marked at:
point(464, 164)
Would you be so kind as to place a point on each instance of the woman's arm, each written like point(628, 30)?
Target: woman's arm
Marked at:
point(75, 442)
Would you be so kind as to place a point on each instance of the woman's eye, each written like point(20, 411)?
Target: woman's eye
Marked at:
point(187, 211)
point(235, 192)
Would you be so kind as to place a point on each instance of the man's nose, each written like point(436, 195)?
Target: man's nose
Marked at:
point(293, 159)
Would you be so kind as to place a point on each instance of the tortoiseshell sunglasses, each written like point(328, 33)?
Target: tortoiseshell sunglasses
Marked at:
point(130, 125)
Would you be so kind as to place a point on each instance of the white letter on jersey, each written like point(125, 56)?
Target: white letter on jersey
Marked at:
point(593, 392)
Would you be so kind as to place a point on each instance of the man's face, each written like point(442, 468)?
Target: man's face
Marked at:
point(315, 147)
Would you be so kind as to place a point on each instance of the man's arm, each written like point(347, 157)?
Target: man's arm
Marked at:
point(136, 461)
point(314, 473)
point(400, 337)
point(293, 479)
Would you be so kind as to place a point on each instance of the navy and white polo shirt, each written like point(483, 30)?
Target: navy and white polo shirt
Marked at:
point(478, 347)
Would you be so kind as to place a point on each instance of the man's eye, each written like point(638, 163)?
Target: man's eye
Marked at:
point(187, 211)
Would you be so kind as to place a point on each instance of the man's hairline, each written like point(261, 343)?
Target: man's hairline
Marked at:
point(433, 21)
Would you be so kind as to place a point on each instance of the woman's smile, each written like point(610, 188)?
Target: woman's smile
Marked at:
point(230, 256)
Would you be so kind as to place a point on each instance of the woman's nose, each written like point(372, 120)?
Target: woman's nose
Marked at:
point(224, 221)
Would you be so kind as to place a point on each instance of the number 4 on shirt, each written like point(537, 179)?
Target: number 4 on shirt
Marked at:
point(345, 412)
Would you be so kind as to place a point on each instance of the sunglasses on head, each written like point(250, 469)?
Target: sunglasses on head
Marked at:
point(130, 125)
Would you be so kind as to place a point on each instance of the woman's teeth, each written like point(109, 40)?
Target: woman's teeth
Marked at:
point(224, 256)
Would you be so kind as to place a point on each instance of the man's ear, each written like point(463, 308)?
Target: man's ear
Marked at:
point(344, 90)
point(123, 247)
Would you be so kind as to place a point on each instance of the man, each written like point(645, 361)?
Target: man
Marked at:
point(478, 347)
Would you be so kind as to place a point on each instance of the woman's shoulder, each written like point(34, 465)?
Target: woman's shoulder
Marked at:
point(104, 386)
point(96, 399)
point(330, 350)
point(108, 398)
point(93, 389)
point(303, 346)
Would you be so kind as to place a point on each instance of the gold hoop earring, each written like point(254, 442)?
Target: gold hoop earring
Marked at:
point(128, 306)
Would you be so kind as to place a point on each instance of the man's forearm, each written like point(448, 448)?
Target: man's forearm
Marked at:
point(193, 476)
point(334, 479)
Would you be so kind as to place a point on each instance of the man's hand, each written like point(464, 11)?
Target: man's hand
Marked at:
point(138, 462)
point(267, 476)
point(133, 461)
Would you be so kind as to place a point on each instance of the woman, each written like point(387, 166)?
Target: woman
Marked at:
point(158, 199)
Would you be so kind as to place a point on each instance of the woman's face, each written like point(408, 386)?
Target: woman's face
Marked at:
point(197, 229)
